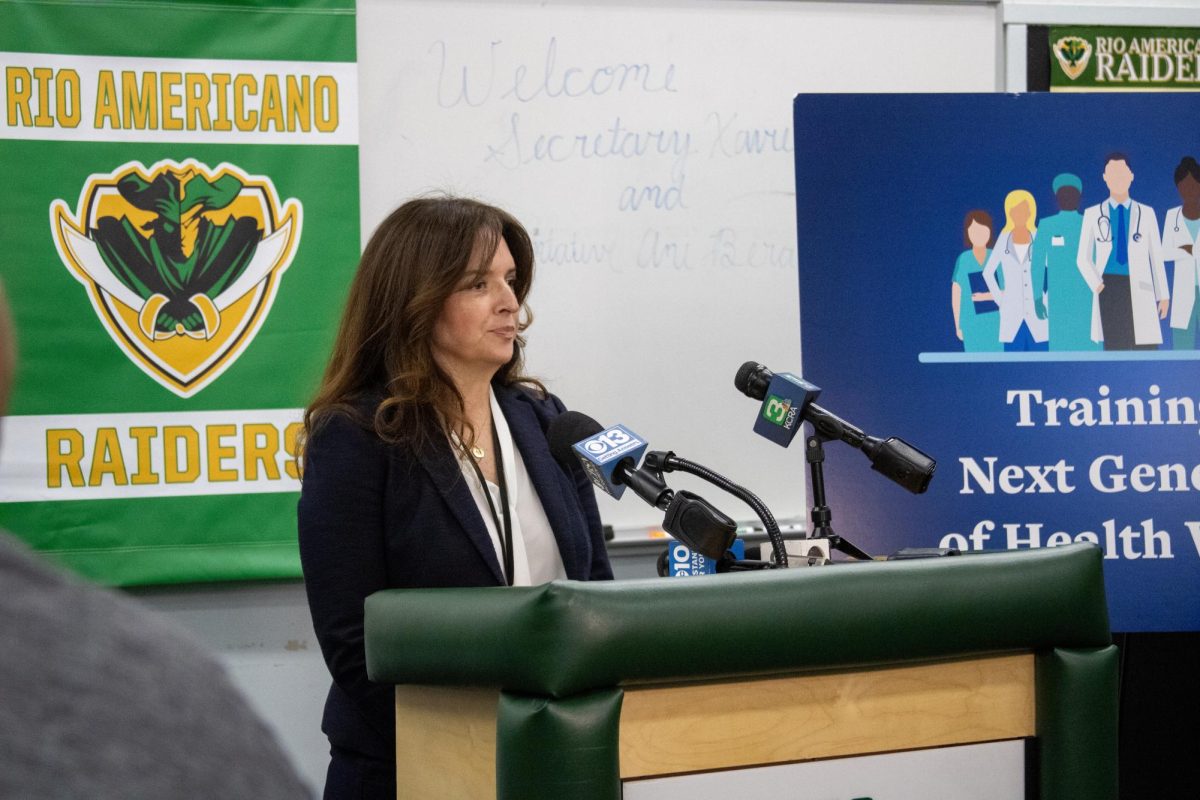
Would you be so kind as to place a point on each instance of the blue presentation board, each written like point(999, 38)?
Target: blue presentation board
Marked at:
point(1043, 435)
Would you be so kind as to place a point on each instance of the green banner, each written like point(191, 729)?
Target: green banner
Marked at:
point(1089, 59)
point(180, 211)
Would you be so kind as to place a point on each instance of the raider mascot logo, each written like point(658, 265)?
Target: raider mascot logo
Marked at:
point(180, 261)
point(1073, 53)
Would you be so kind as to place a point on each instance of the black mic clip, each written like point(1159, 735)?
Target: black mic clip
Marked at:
point(657, 461)
point(697, 523)
point(648, 485)
point(689, 518)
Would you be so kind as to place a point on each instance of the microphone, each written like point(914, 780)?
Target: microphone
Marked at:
point(788, 400)
point(609, 456)
point(785, 397)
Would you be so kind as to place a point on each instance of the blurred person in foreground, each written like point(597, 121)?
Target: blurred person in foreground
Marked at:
point(99, 698)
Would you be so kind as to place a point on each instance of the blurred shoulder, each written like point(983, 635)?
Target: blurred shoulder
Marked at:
point(170, 715)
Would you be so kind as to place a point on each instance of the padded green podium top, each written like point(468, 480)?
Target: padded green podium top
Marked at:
point(567, 637)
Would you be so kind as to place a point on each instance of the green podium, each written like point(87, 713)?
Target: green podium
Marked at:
point(570, 690)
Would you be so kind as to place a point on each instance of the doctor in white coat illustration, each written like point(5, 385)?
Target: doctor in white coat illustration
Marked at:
point(1181, 232)
point(1022, 305)
point(1121, 260)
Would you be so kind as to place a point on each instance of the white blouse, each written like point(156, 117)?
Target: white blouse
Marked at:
point(535, 550)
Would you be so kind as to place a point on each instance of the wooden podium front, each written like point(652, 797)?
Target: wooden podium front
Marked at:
point(572, 690)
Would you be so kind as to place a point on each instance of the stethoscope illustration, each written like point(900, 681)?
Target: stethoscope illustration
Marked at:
point(1104, 224)
point(1008, 241)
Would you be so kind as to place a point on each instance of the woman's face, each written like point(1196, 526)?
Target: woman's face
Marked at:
point(478, 323)
point(1020, 214)
point(978, 234)
point(1189, 189)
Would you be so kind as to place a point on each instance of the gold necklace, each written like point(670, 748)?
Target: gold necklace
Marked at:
point(474, 450)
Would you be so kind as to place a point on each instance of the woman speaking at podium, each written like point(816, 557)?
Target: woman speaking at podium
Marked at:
point(426, 462)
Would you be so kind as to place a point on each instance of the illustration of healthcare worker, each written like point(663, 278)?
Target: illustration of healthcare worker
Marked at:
point(1022, 306)
point(1120, 258)
point(1068, 298)
point(976, 315)
point(1181, 228)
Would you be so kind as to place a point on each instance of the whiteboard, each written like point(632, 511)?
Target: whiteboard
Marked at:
point(648, 149)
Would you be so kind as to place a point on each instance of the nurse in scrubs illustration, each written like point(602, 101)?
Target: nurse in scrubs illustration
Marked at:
point(976, 315)
point(1068, 297)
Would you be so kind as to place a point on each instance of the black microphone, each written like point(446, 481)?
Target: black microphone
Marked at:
point(893, 457)
point(609, 457)
point(752, 380)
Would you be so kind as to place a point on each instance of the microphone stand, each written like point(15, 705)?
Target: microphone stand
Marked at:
point(822, 516)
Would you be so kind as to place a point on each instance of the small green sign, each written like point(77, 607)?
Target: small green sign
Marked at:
point(1108, 58)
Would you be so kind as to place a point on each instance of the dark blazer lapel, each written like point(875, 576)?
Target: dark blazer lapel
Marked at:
point(447, 476)
point(544, 472)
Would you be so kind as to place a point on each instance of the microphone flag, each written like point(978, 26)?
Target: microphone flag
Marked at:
point(782, 408)
point(600, 455)
point(684, 562)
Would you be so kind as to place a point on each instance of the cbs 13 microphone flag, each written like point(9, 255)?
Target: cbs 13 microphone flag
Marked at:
point(1010, 282)
point(180, 225)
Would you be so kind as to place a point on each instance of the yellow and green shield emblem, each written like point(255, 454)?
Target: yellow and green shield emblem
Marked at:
point(1073, 54)
point(180, 261)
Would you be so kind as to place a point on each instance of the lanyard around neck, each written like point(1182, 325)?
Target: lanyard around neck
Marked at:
point(505, 530)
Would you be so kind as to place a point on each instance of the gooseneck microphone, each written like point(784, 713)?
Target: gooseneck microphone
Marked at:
point(787, 400)
point(660, 462)
point(609, 457)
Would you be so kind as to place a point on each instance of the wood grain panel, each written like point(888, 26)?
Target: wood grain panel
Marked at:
point(695, 727)
point(446, 737)
point(446, 742)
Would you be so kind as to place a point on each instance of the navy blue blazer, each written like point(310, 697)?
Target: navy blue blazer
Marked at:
point(375, 516)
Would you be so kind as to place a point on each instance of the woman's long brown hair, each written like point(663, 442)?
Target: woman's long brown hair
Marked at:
point(415, 260)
